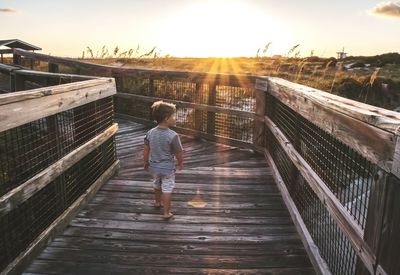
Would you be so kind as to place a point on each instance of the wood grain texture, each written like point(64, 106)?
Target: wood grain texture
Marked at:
point(372, 142)
point(48, 101)
point(243, 225)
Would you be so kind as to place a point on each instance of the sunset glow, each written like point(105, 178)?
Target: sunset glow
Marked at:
point(205, 28)
point(219, 29)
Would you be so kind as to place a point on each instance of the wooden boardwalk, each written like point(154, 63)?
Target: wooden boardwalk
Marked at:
point(229, 219)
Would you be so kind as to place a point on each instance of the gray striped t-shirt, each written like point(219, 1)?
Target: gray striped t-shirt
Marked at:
point(164, 143)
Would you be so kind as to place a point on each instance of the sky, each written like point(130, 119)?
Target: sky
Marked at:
point(204, 28)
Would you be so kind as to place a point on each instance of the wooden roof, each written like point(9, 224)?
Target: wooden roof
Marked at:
point(16, 43)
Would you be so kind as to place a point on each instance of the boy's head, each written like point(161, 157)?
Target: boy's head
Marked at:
point(164, 112)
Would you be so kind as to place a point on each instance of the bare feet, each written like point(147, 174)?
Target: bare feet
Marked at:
point(157, 204)
point(167, 217)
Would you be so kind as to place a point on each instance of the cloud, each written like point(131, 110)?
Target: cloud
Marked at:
point(7, 10)
point(387, 9)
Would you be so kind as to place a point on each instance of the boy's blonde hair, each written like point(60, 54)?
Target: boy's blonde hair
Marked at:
point(161, 110)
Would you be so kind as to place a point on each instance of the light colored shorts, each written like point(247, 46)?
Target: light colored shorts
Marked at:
point(165, 183)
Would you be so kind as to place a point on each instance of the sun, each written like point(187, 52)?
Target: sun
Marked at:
point(218, 29)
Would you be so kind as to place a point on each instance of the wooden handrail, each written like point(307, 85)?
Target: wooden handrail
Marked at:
point(42, 102)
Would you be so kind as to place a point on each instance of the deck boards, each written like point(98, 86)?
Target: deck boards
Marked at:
point(244, 226)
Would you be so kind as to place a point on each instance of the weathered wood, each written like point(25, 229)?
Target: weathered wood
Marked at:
point(338, 212)
point(26, 95)
point(375, 144)
point(318, 262)
point(378, 196)
point(260, 111)
point(70, 77)
point(389, 241)
point(44, 102)
point(379, 117)
point(244, 226)
point(53, 68)
point(7, 69)
point(56, 227)
point(212, 98)
point(26, 190)
point(196, 106)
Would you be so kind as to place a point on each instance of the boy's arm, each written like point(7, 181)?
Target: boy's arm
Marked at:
point(179, 157)
point(146, 151)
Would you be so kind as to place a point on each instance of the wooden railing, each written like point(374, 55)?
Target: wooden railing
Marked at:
point(57, 148)
point(335, 160)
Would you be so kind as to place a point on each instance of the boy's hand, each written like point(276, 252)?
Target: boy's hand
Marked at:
point(146, 166)
point(180, 166)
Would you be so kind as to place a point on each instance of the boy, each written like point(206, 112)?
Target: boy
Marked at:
point(161, 144)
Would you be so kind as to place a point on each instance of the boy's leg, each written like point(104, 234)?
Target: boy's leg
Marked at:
point(167, 205)
point(167, 185)
point(157, 197)
point(157, 191)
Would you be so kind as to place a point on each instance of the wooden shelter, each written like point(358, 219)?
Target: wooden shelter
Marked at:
point(16, 43)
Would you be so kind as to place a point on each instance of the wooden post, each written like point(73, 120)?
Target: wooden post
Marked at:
point(388, 224)
point(261, 87)
point(16, 59)
point(53, 68)
point(18, 82)
point(212, 98)
point(151, 87)
point(198, 114)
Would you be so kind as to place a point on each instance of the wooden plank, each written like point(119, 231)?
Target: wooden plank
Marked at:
point(375, 144)
point(47, 91)
point(341, 216)
point(49, 101)
point(318, 262)
point(65, 267)
point(245, 225)
point(382, 118)
point(71, 77)
point(25, 257)
point(260, 112)
point(389, 241)
point(8, 68)
point(26, 190)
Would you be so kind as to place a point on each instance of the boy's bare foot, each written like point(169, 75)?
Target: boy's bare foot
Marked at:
point(167, 217)
point(157, 204)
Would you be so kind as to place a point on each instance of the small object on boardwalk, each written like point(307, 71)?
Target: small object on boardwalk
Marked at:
point(197, 201)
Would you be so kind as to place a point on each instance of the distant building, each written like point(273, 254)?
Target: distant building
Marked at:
point(7, 46)
point(341, 55)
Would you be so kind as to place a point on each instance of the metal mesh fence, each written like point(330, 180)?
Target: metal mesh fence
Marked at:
point(209, 93)
point(347, 174)
point(32, 147)
point(237, 98)
point(334, 247)
point(22, 225)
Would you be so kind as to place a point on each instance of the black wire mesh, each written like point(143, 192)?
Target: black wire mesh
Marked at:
point(334, 247)
point(237, 98)
point(22, 225)
point(208, 93)
point(234, 127)
point(347, 174)
point(32, 147)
